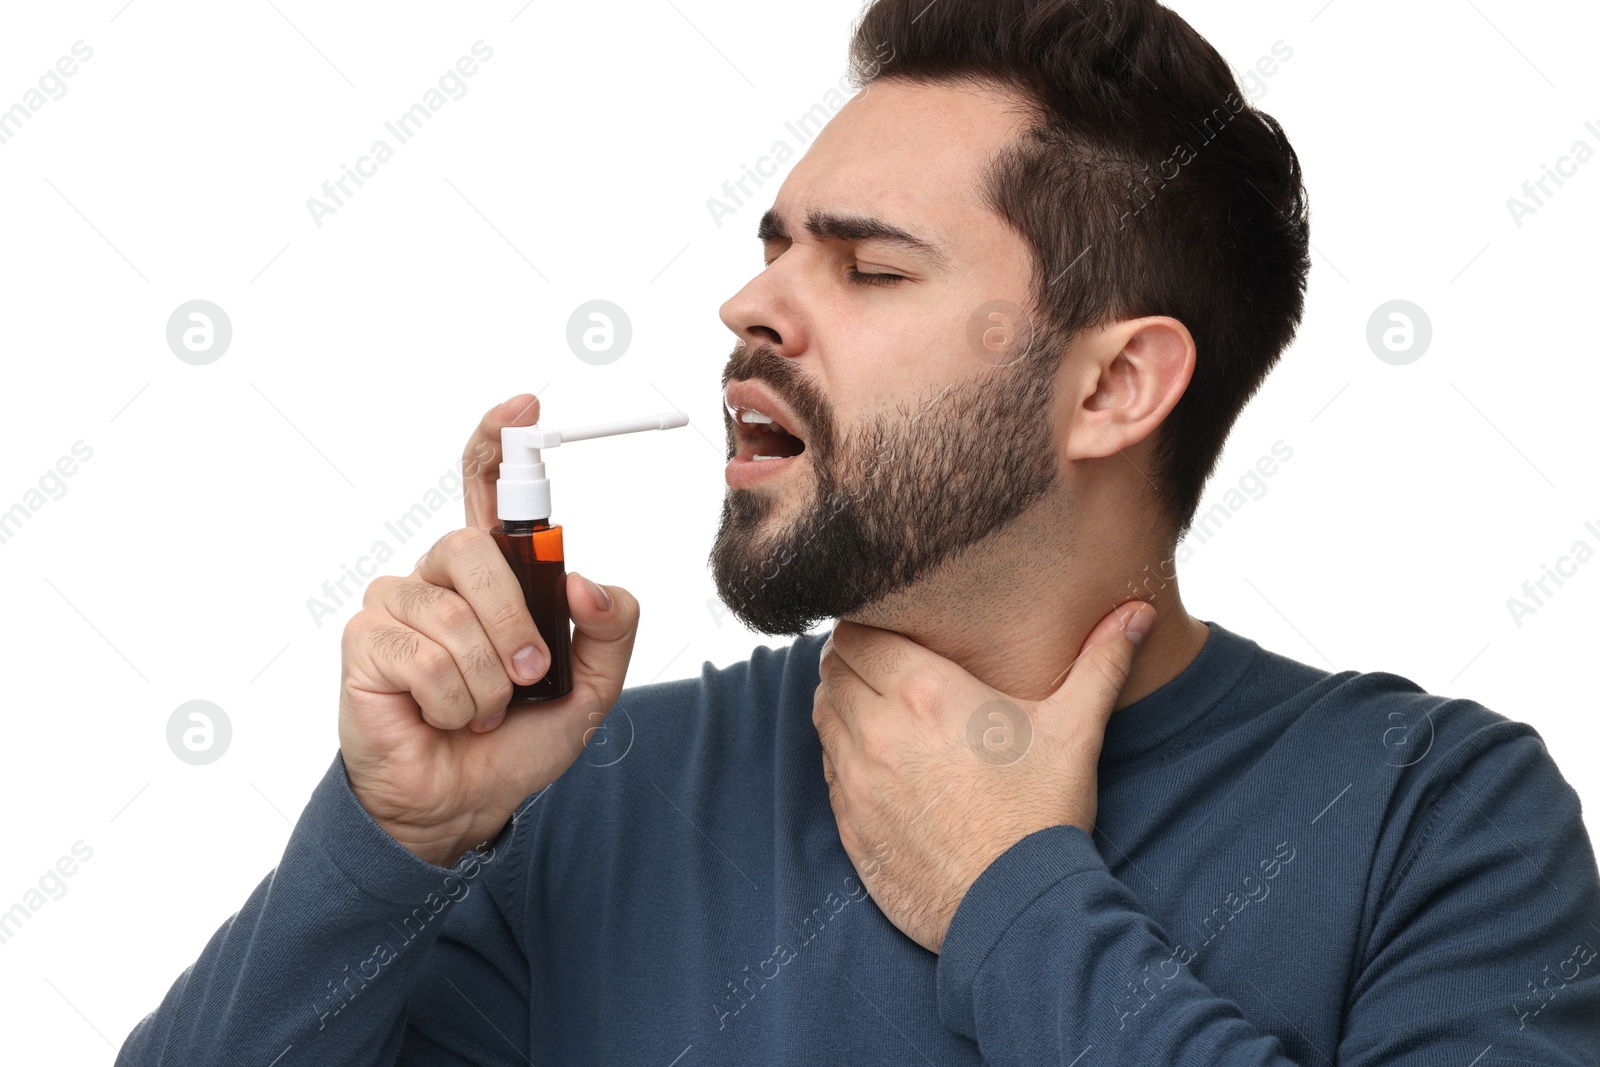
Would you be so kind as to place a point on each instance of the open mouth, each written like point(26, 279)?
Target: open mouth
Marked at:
point(762, 439)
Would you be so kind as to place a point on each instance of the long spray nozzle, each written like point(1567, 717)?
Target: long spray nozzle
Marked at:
point(522, 492)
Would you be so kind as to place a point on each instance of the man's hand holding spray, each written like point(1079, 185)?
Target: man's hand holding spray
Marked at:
point(455, 705)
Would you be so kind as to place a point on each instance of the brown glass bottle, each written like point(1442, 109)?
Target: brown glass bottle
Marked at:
point(533, 548)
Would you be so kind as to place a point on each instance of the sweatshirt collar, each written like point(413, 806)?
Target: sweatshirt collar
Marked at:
point(1159, 717)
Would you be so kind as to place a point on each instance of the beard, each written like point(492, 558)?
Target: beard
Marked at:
point(890, 499)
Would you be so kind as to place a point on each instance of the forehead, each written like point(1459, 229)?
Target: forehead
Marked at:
point(909, 153)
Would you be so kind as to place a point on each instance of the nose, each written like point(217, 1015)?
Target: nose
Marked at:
point(762, 313)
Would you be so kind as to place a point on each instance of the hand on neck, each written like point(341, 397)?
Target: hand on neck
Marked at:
point(1014, 610)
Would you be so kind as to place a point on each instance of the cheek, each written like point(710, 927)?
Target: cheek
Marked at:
point(888, 352)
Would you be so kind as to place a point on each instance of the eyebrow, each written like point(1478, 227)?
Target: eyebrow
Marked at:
point(832, 226)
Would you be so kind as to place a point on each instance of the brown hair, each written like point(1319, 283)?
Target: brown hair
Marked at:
point(1145, 184)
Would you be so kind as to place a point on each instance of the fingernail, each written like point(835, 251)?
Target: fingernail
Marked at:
point(529, 663)
point(490, 724)
point(1138, 625)
point(512, 407)
point(601, 597)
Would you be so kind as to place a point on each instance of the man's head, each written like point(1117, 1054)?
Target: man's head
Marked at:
point(1099, 251)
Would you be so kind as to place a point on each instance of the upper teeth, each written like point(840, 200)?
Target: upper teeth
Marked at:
point(751, 415)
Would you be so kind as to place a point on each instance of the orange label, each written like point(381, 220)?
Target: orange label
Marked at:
point(547, 544)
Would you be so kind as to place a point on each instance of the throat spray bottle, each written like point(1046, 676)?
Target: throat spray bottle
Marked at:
point(532, 545)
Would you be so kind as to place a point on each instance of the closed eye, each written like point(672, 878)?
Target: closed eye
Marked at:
point(873, 277)
point(859, 277)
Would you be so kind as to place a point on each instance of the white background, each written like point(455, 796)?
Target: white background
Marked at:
point(179, 561)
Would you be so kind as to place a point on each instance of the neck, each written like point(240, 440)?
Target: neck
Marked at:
point(1015, 609)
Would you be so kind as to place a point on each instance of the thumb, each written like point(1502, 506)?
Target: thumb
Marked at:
point(1096, 677)
point(605, 619)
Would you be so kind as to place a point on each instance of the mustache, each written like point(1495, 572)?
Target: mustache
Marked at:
point(763, 363)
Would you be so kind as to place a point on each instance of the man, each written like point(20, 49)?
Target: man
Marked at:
point(1019, 806)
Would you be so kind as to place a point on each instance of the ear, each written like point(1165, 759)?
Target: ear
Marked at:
point(1126, 377)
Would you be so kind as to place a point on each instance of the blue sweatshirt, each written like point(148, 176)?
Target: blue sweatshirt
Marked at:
point(1291, 867)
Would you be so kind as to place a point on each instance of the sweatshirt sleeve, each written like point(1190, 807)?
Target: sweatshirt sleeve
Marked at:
point(1485, 944)
point(1001, 980)
point(1486, 941)
point(353, 951)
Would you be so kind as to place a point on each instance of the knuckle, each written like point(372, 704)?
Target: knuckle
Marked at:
point(443, 548)
point(835, 796)
point(497, 695)
point(415, 598)
point(451, 714)
point(457, 708)
point(483, 575)
point(876, 746)
point(355, 627)
point(452, 613)
point(922, 691)
point(857, 792)
point(352, 638)
point(393, 643)
point(464, 540)
point(511, 617)
point(378, 589)
point(436, 665)
point(827, 732)
point(483, 663)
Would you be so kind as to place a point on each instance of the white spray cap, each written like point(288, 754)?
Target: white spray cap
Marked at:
point(522, 491)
